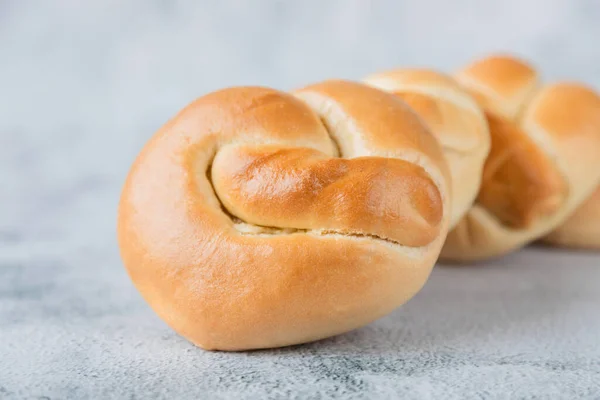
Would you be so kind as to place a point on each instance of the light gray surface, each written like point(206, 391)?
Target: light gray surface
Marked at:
point(84, 84)
point(73, 327)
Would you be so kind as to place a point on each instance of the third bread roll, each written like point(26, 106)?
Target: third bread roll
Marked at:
point(544, 160)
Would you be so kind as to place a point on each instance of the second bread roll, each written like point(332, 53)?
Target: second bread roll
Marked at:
point(454, 118)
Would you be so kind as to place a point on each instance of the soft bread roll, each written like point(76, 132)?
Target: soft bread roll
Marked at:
point(455, 119)
point(257, 218)
point(582, 229)
point(543, 162)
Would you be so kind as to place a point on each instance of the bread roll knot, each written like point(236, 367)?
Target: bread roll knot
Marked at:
point(257, 218)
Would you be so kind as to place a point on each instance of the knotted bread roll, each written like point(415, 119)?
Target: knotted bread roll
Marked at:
point(257, 218)
point(582, 229)
point(455, 119)
point(544, 160)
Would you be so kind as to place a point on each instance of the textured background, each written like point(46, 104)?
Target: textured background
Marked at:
point(84, 84)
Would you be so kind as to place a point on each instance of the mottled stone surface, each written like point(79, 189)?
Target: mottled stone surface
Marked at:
point(84, 84)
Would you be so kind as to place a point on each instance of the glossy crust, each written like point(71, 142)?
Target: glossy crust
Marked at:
point(454, 118)
point(243, 228)
point(582, 229)
point(544, 160)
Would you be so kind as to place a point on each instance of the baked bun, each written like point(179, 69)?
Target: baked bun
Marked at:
point(582, 229)
point(258, 219)
point(543, 162)
point(455, 119)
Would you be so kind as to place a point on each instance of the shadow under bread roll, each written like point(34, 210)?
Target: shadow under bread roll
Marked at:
point(544, 159)
point(582, 229)
point(455, 119)
point(257, 218)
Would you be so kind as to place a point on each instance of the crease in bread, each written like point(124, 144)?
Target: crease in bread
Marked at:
point(521, 185)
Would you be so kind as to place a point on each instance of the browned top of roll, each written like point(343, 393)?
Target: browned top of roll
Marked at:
point(453, 116)
point(501, 83)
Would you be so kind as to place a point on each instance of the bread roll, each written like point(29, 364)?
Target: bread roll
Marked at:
point(543, 162)
point(256, 218)
point(582, 229)
point(455, 119)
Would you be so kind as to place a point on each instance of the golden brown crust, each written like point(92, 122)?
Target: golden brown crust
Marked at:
point(543, 161)
point(228, 284)
point(300, 188)
point(456, 121)
point(454, 117)
point(569, 113)
point(355, 114)
point(502, 84)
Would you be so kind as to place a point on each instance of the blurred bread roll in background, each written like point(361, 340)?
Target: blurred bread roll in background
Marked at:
point(257, 218)
point(454, 118)
point(544, 159)
point(582, 229)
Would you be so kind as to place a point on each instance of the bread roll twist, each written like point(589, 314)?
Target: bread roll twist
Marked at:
point(257, 218)
point(544, 159)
